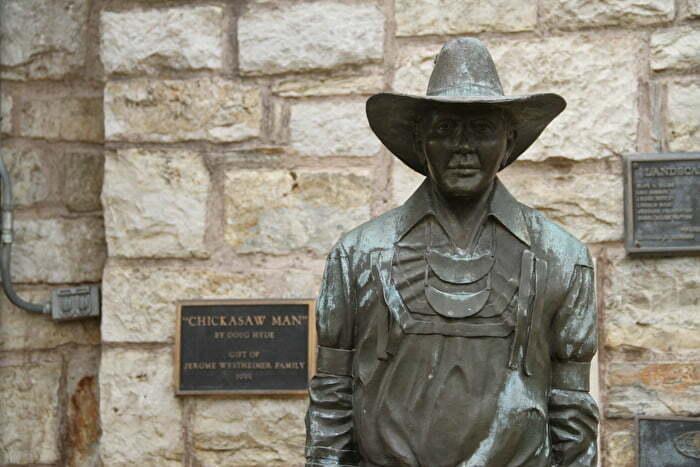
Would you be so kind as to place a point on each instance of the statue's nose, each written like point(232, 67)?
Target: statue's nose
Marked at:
point(463, 140)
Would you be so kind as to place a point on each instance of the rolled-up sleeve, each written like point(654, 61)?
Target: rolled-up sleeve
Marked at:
point(573, 414)
point(329, 428)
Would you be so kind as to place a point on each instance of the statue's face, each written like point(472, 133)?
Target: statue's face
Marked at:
point(463, 148)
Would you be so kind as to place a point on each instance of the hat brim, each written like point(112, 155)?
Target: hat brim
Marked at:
point(393, 117)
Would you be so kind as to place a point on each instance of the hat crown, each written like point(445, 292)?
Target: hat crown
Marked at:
point(464, 68)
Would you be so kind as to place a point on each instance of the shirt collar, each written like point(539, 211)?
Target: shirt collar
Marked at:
point(502, 206)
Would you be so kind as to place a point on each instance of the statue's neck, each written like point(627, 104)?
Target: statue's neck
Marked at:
point(462, 217)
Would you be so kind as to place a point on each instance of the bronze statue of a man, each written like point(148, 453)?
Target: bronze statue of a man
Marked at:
point(458, 328)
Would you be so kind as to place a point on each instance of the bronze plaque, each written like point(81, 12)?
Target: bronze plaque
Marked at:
point(662, 204)
point(244, 347)
point(668, 441)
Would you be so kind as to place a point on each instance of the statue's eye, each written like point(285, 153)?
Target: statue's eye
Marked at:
point(482, 127)
point(445, 126)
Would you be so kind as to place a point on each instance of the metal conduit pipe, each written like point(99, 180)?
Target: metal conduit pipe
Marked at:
point(6, 237)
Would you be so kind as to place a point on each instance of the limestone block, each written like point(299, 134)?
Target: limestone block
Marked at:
point(140, 416)
point(299, 86)
point(586, 199)
point(249, 432)
point(669, 389)
point(413, 67)
point(277, 212)
point(309, 36)
point(172, 38)
point(619, 444)
point(138, 303)
point(155, 203)
point(693, 8)
point(404, 182)
point(651, 305)
point(20, 330)
point(677, 49)
point(30, 170)
point(58, 250)
point(42, 38)
point(207, 108)
point(5, 113)
point(579, 68)
point(84, 173)
point(577, 13)
point(66, 118)
point(84, 407)
point(29, 405)
point(424, 17)
point(683, 121)
point(332, 128)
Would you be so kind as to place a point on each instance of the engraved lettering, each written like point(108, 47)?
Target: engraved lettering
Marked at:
point(246, 320)
point(287, 320)
point(670, 171)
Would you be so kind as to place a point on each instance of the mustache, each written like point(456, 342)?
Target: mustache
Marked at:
point(464, 160)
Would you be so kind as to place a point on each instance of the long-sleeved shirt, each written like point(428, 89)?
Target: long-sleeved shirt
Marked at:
point(431, 356)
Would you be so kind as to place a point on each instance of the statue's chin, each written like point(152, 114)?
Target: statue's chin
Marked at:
point(463, 189)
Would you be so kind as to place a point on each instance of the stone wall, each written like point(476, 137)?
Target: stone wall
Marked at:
point(52, 142)
point(234, 150)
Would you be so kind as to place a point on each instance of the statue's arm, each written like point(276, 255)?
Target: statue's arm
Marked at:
point(573, 414)
point(329, 428)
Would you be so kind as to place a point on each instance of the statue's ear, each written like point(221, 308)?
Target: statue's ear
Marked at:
point(511, 141)
point(418, 140)
point(510, 146)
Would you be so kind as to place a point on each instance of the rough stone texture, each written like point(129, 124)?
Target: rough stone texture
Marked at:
point(155, 203)
point(677, 49)
point(683, 129)
point(693, 8)
point(29, 404)
point(587, 199)
point(208, 108)
point(58, 250)
point(42, 38)
point(84, 173)
point(619, 444)
point(30, 171)
point(576, 13)
point(84, 407)
point(138, 405)
point(5, 113)
point(22, 330)
point(652, 389)
point(651, 305)
point(173, 38)
point(277, 212)
point(138, 303)
point(249, 432)
point(424, 17)
point(579, 68)
point(308, 36)
point(413, 67)
point(64, 118)
point(404, 182)
point(332, 128)
point(328, 85)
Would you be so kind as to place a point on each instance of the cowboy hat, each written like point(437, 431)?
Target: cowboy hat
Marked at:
point(464, 74)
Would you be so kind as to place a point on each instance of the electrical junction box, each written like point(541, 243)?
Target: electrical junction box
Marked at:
point(75, 303)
